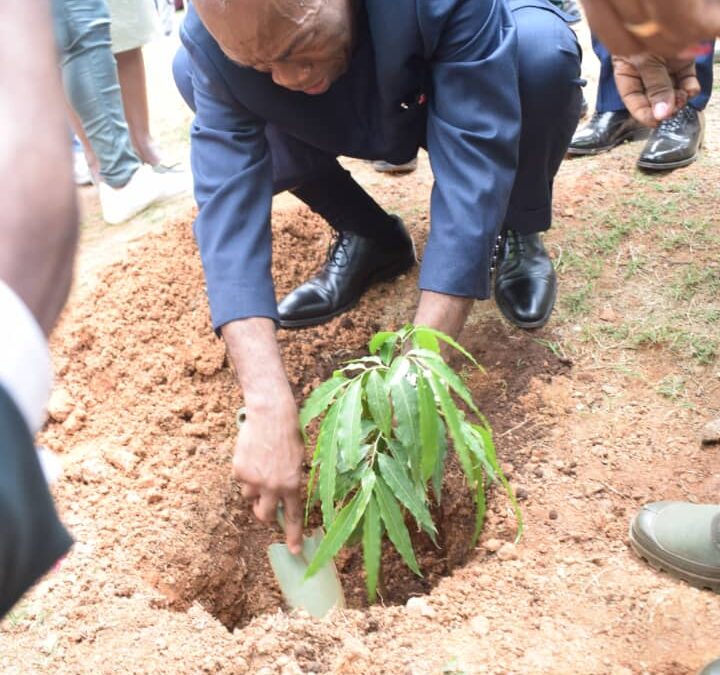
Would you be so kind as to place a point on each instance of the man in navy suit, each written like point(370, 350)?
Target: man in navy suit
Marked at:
point(280, 88)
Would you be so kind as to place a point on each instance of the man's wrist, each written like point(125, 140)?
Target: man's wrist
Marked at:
point(255, 355)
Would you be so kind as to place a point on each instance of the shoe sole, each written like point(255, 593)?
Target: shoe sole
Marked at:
point(638, 135)
point(384, 275)
point(657, 563)
point(528, 325)
point(652, 166)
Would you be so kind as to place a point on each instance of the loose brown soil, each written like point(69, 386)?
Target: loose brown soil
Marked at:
point(169, 572)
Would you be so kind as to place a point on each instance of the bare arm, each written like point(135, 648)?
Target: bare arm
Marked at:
point(269, 450)
point(38, 223)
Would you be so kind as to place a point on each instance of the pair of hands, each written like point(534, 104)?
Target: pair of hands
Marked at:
point(656, 42)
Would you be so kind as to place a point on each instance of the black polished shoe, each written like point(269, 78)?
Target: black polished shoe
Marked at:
point(353, 264)
point(674, 142)
point(604, 131)
point(525, 281)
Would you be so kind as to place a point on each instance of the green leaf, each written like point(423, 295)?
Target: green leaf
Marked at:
point(350, 427)
point(448, 340)
point(327, 452)
point(372, 547)
point(395, 524)
point(399, 482)
point(379, 402)
point(343, 526)
point(454, 423)
point(405, 405)
point(321, 398)
point(423, 338)
point(439, 470)
point(476, 443)
point(436, 364)
point(429, 425)
point(397, 371)
point(480, 505)
point(345, 483)
point(381, 338)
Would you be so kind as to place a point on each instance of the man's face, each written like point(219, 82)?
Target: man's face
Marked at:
point(304, 44)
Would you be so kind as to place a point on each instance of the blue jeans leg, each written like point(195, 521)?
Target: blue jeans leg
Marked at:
point(82, 31)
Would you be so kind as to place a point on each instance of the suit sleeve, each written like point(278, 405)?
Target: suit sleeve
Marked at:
point(232, 172)
point(32, 539)
point(473, 133)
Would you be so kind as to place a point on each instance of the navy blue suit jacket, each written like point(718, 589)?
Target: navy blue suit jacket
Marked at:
point(440, 73)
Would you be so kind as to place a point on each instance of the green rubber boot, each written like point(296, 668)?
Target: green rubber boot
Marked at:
point(711, 668)
point(681, 539)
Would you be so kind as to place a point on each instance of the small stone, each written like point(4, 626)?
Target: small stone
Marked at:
point(492, 545)
point(420, 606)
point(553, 515)
point(538, 472)
point(521, 493)
point(121, 459)
point(480, 625)
point(196, 430)
point(608, 314)
point(507, 552)
point(60, 405)
point(75, 420)
point(508, 469)
point(711, 432)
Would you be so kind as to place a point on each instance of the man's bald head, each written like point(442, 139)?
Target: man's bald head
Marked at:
point(305, 44)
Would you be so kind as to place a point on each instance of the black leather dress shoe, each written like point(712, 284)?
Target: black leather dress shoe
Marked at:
point(525, 281)
point(674, 142)
point(604, 131)
point(353, 264)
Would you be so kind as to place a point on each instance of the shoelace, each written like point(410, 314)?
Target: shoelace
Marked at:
point(337, 249)
point(677, 121)
point(515, 244)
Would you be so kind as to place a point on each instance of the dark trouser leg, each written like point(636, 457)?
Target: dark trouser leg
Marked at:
point(551, 99)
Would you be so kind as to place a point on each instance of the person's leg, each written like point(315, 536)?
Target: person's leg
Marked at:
point(704, 68)
point(83, 32)
point(551, 98)
point(133, 86)
point(611, 124)
point(608, 98)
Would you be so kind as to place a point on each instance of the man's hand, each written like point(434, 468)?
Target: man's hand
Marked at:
point(267, 464)
point(652, 87)
point(269, 449)
point(664, 27)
